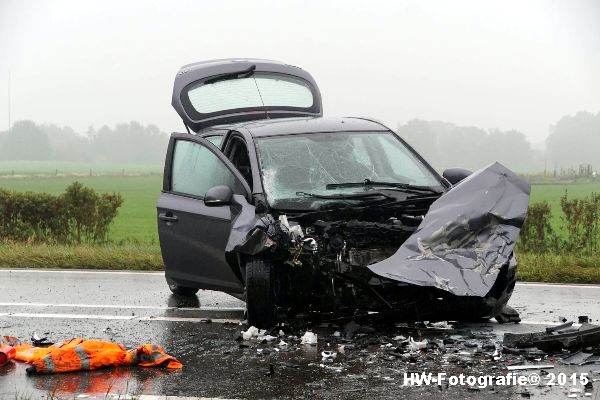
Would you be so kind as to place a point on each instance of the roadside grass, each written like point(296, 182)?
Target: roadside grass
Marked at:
point(558, 268)
point(142, 257)
point(555, 268)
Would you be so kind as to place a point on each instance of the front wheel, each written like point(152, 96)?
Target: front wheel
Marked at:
point(260, 293)
point(181, 290)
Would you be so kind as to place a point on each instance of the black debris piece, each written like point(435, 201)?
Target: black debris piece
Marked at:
point(583, 319)
point(578, 358)
point(560, 327)
point(39, 341)
point(529, 351)
point(271, 370)
point(587, 335)
point(508, 314)
point(289, 365)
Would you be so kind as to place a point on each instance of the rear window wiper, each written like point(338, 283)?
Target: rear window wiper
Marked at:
point(347, 196)
point(368, 182)
point(232, 75)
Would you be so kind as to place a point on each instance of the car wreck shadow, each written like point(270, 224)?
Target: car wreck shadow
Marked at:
point(183, 301)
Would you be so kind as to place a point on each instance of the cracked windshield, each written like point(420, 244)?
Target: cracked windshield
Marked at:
point(294, 168)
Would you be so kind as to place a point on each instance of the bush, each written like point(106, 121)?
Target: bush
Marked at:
point(79, 215)
point(582, 220)
point(537, 234)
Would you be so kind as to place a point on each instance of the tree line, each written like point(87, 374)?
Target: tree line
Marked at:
point(130, 143)
point(574, 140)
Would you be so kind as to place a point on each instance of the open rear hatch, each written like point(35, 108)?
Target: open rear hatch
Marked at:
point(236, 90)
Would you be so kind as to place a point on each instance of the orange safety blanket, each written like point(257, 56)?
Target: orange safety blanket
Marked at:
point(81, 355)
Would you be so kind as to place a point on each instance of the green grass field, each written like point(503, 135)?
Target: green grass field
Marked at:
point(136, 220)
point(137, 217)
point(552, 194)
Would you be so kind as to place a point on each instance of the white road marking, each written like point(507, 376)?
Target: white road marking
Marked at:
point(117, 317)
point(66, 316)
point(559, 285)
point(159, 397)
point(183, 319)
point(177, 319)
point(82, 271)
point(161, 273)
point(547, 323)
point(117, 306)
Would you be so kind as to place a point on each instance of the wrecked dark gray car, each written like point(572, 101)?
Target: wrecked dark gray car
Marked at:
point(326, 218)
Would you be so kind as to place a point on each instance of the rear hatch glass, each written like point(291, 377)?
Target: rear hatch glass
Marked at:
point(264, 90)
point(228, 91)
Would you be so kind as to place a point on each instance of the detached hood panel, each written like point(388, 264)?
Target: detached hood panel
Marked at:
point(467, 236)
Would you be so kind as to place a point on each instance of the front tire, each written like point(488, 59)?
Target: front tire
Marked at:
point(181, 290)
point(260, 294)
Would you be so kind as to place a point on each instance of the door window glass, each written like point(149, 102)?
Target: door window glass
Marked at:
point(196, 169)
point(240, 159)
point(216, 140)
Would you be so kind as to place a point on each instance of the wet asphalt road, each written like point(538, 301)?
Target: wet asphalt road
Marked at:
point(133, 308)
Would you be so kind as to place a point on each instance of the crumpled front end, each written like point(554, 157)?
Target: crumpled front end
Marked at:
point(421, 258)
point(467, 236)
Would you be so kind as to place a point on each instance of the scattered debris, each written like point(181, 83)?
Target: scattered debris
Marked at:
point(253, 332)
point(579, 358)
point(40, 341)
point(560, 327)
point(508, 314)
point(415, 346)
point(266, 338)
point(441, 325)
point(525, 393)
point(271, 370)
point(328, 356)
point(309, 338)
point(289, 365)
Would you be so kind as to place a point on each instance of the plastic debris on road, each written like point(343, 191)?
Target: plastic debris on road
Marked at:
point(253, 332)
point(309, 338)
point(415, 346)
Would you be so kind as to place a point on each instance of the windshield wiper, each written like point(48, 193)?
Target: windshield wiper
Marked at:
point(367, 182)
point(347, 196)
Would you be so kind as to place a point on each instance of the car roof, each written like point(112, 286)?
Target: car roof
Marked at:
point(292, 126)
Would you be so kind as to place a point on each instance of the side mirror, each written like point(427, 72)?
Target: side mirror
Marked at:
point(218, 196)
point(455, 175)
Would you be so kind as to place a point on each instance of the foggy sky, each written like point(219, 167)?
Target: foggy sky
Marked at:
point(503, 64)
